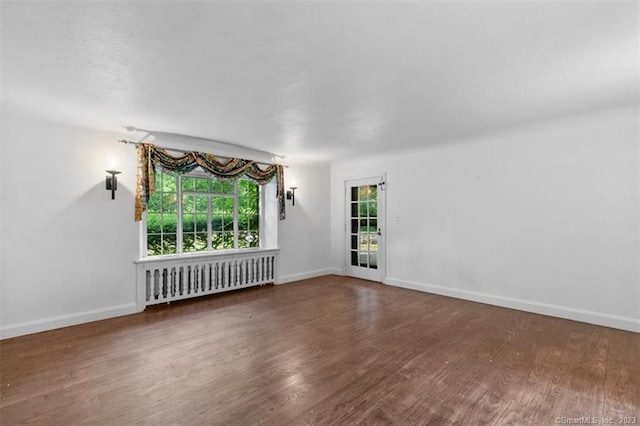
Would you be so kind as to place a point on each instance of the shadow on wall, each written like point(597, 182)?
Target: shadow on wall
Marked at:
point(76, 260)
point(100, 234)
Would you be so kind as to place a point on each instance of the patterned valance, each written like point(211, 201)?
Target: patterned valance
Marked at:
point(150, 157)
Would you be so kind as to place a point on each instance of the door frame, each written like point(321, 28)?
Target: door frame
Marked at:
point(381, 178)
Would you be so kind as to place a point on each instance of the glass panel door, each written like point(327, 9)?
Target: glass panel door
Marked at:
point(364, 228)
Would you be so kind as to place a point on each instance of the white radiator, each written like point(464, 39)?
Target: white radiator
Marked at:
point(165, 279)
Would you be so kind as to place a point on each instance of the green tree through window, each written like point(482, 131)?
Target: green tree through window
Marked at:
point(197, 213)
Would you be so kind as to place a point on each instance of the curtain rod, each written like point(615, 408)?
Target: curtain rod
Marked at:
point(124, 141)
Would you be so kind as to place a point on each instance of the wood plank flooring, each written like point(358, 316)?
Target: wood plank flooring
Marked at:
point(331, 350)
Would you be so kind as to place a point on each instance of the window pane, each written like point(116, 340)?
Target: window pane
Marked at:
point(373, 209)
point(169, 223)
point(373, 192)
point(364, 242)
point(373, 225)
point(227, 187)
point(202, 185)
point(169, 203)
point(216, 223)
point(363, 210)
point(364, 193)
point(201, 222)
point(227, 223)
point(168, 182)
point(254, 222)
point(253, 238)
point(217, 205)
point(247, 239)
point(228, 240)
point(227, 204)
point(247, 206)
point(154, 223)
point(188, 204)
point(216, 187)
point(188, 184)
point(155, 203)
point(188, 240)
point(222, 240)
point(243, 223)
point(188, 222)
point(373, 261)
point(161, 219)
point(248, 222)
point(249, 214)
point(201, 203)
point(242, 240)
point(169, 244)
point(248, 189)
point(216, 240)
point(354, 193)
point(243, 188)
point(373, 242)
point(154, 244)
point(354, 209)
point(201, 241)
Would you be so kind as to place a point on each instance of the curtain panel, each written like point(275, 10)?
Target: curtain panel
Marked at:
point(150, 157)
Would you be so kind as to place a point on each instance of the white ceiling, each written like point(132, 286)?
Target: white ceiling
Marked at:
point(318, 80)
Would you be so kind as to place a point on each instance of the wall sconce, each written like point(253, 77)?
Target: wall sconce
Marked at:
point(291, 195)
point(112, 182)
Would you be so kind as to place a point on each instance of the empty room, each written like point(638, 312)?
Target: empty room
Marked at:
point(320, 212)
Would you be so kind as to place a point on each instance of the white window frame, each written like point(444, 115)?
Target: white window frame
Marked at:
point(199, 173)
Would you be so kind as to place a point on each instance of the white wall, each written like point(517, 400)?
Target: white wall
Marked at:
point(304, 236)
point(68, 249)
point(542, 218)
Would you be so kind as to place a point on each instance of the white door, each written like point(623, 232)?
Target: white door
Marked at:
point(364, 201)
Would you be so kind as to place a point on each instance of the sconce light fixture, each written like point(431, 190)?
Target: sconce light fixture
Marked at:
point(291, 195)
point(112, 182)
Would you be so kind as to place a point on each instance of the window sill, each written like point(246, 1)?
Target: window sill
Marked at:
point(203, 255)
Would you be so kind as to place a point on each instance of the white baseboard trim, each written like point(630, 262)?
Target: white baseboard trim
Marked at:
point(597, 318)
point(335, 271)
point(305, 275)
point(37, 326)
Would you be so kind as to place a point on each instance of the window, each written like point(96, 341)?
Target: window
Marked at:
point(195, 212)
point(364, 226)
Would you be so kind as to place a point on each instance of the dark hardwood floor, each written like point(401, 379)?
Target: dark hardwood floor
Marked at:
point(330, 350)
